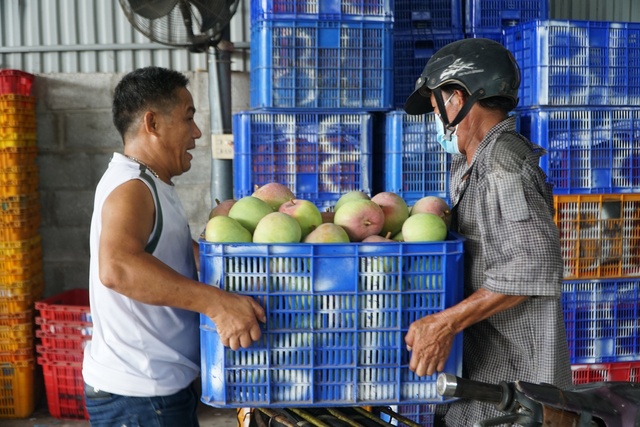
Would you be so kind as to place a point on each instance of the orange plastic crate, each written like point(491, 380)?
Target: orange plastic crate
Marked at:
point(599, 234)
point(16, 318)
point(65, 389)
point(24, 119)
point(17, 397)
point(15, 82)
point(17, 103)
point(598, 372)
point(18, 156)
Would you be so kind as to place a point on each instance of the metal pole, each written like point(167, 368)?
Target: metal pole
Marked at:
point(220, 99)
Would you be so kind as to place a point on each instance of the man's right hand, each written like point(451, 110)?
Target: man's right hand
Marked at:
point(237, 320)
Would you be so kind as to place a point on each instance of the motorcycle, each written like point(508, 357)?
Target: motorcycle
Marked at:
point(600, 404)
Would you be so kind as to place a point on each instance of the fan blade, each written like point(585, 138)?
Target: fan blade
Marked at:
point(213, 12)
point(152, 9)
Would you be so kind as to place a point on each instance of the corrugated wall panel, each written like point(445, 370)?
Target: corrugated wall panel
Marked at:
point(596, 10)
point(54, 36)
point(67, 36)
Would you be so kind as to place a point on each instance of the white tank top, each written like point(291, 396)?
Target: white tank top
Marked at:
point(139, 349)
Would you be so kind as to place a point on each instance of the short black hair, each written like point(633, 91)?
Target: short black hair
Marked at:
point(142, 88)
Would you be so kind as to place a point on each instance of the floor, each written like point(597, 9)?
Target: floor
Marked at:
point(208, 416)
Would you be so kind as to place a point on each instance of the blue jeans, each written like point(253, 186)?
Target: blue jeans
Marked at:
point(112, 410)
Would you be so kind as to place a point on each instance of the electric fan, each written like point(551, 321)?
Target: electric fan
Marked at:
point(194, 24)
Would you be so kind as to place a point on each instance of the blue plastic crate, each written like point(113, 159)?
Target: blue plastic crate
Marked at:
point(412, 163)
point(318, 155)
point(421, 414)
point(590, 149)
point(494, 16)
point(427, 17)
point(599, 235)
point(410, 55)
point(337, 10)
point(602, 319)
point(337, 315)
point(321, 64)
point(498, 37)
point(580, 63)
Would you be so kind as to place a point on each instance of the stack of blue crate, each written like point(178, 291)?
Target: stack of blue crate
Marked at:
point(579, 100)
point(490, 18)
point(319, 71)
point(409, 161)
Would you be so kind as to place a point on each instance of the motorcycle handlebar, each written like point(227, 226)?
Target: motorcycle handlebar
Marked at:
point(452, 386)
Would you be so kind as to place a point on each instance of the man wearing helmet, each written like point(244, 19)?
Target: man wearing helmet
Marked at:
point(511, 314)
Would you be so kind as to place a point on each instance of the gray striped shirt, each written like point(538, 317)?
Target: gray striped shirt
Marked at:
point(512, 247)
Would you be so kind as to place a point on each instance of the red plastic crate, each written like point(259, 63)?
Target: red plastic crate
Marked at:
point(68, 306)
point(65, 328)
point(15, 82)
point(598, 372)
point(62, 341)
point(59, 355)
point(65, 389)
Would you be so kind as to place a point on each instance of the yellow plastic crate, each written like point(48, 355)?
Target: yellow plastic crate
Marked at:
point(25, 270)
point(12, 133)
point(18, 249)
point(12, 263)
point(599, 234)
point(20, 274)
point(15, 205)
point(27, 287)
point(18, 156)
point(17, 187)
point(15, 140)
point(24, 231)
point(17, 397)
point(17, 337)
point(14, 305)
point(20, 355)
point(25, 218)
point(17, 173)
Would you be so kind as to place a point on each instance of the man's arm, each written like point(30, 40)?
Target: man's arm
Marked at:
point(430, 338)
point(127, 221)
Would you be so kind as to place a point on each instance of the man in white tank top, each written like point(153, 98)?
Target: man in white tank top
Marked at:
point(144, 294)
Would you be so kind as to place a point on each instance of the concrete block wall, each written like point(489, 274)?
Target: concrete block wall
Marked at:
point(76, 139)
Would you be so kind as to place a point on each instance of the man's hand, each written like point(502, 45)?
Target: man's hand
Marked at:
point(430, 340)
point(237, 320)
point(431, 337)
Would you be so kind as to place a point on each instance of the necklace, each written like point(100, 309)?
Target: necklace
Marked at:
point(141, 163)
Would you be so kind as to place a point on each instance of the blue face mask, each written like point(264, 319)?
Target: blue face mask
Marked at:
point(450, 144)
point(447, 140)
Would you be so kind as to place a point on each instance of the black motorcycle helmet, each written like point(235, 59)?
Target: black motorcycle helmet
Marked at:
point(483, 67)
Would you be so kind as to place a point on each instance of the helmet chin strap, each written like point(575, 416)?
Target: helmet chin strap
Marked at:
point(461, 114)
